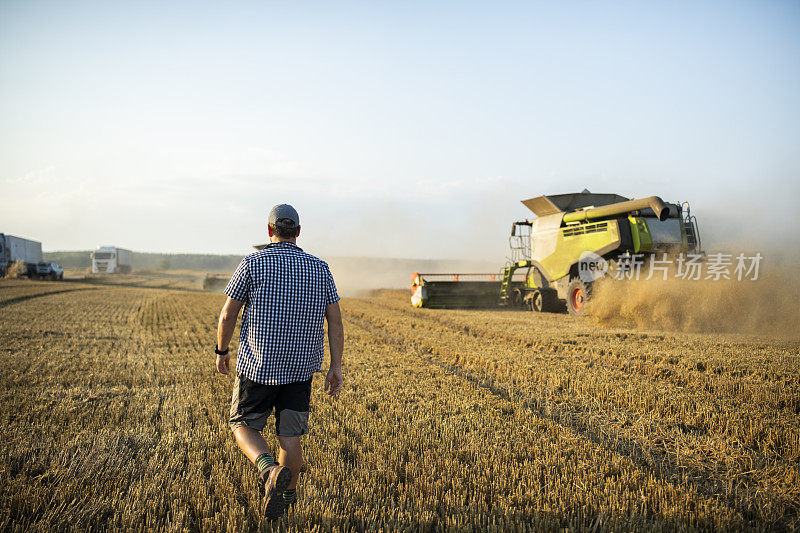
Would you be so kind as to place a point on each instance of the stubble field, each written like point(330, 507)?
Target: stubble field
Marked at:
point(111, 417)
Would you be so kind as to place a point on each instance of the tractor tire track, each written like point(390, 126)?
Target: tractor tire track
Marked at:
point(617, 358)
point(374, 335)
point(743, 497)
point(593, 350)
point(27, 297)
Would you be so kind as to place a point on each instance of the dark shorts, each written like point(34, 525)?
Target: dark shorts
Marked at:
point(253, 402)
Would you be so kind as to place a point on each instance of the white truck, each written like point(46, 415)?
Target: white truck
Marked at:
point(13, 249)
point(111, 260)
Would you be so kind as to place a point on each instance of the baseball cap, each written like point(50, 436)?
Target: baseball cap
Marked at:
point(284, 215)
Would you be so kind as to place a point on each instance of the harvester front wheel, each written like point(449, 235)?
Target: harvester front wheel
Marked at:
point(543, 301)
point(577, 296)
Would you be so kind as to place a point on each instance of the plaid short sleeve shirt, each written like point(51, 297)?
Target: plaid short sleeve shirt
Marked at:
point(285, 291)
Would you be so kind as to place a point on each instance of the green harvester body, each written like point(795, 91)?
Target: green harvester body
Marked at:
point(547, 251)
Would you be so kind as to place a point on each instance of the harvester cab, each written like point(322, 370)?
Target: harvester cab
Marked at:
point(546, 253)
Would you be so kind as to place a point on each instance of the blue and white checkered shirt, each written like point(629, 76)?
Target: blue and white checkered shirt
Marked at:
point(285, 291)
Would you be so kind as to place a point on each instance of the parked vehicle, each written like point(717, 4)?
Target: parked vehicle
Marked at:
point(13, 249)
point(49, 269)
point(111, 260)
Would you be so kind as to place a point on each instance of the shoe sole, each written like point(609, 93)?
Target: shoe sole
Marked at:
point(274, 507)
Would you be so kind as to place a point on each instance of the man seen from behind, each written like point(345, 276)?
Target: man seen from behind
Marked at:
point(286, 294)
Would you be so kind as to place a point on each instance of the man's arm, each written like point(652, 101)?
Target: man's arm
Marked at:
point(227, 323)
point(333, 382)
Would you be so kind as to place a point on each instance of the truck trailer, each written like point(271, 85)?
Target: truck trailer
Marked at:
point(111, 260)
point(13, 249)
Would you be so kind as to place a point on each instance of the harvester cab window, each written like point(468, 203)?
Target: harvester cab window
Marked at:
point(664, 231)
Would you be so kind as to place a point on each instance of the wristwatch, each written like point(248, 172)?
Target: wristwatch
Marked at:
point(220, 352)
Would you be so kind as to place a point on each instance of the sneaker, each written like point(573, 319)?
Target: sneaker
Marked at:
point(276, 480)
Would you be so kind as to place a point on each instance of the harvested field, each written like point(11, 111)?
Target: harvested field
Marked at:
point(170, 279)
point(111, 416)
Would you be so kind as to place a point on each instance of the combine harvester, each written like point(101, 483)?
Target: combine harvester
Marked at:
point(570, 230)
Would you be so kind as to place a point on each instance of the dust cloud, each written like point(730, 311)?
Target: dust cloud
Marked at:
point(767, 306)
point(468, 222)
point(359, 276)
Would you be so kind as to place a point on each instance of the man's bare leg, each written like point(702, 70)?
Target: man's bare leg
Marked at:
point(291, 456)
point(250, 442)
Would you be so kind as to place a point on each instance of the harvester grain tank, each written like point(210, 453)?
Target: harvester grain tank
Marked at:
point(542, 273)
point(14, 249)
point(111, 260)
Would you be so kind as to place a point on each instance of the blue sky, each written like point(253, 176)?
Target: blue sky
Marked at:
point(397, 129)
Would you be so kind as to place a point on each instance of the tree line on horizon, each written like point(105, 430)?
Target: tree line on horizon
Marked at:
point(151, 261)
